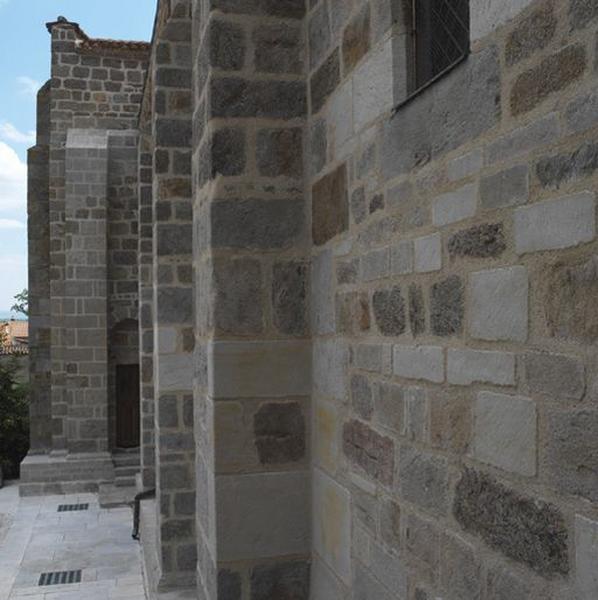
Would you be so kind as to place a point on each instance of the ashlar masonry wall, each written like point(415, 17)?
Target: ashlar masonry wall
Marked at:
point(454, 307)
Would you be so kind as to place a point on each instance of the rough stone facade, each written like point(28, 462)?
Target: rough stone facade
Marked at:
point(367, 321)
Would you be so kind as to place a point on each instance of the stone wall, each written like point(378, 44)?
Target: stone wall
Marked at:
point(454, 264)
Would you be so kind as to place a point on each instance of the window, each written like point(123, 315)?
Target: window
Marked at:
point(439, 40)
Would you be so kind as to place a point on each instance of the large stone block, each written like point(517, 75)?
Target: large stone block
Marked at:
point(389, 311)
point(278, 49)
point(227, 45)
point(525, 529)
point(330, 364)
point(533, 33)
point(423, 480)
point(371, 452)
point(489, 15)
point(256, 223)
point(554, 171)
point(505, 432)
point(570, 300)
point(460, 569)
point(556, 375)
point(422, 540)
point(289, 297)
point(175, 372)
point(419, 362)
point(263, 515)
point(555, 224)
point(324, 81)
point(455, 206)
point(506, 188)
point(447, 306)
point(332, 525)
point(481, 241)
point(280, 152)
point(281, 580)
point(570, 460)
point(330, 207)
point(228, 152)
point(553, 74)
point(318, 28)
point(356, 39)
point(238, 292)
point(499, 304)
point(466, 366)
point(427, 253)
point(389, 406)
point(586, 558)
point(582, 112)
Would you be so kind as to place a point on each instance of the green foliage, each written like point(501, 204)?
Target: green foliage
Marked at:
point(22, 303)
point(14, 419)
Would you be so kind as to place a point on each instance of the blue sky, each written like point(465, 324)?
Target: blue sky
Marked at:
point(25, 66)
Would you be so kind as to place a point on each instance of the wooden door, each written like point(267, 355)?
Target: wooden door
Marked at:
point(127, 406)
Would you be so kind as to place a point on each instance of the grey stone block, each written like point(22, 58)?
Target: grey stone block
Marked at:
point(529, 531)
point(447, 306)
point(507, 188)
point(289, 297)
point(455, 206)
point(481, 241)
point(362, 397)
point(389, 311)
point(278, 49)
point(466, 366)
point(227, 45)
point(279, 152)
point(586, 555)
point(419, 362)
point(460, 570)
point(319, 35)
point(556, 375)
point(281, 580)
point(324, 81)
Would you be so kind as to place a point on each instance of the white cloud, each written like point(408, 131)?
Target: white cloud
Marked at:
point(29, 87)
point(13, 180)
point(11, 224)
point(9, 132)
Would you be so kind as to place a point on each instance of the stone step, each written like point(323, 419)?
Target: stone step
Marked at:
point(124, 482)
point(126, 471)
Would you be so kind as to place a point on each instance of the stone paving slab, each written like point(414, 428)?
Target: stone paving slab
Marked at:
point(36, 538)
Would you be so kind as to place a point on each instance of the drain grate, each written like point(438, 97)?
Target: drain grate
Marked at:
point(60, 578)
point(72, 507)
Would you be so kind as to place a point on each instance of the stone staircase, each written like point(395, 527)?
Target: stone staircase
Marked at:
point(126, 466)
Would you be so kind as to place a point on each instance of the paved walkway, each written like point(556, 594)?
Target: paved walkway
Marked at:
point(35, 538)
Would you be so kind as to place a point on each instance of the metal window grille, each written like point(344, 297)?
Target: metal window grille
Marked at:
point(72, 507)
point(60, 578)
point(441, 37)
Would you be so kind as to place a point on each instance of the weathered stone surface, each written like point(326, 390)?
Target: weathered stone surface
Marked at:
point(455, 206)
point(427, 253)
point(466, 165)
point(174, 239)
point(369, 450)
point(318, 145)
point(319, 35)
point(362, 397)
point(175, 305)
point(228, 152)
point(256, 223)
point(489, 15)
point(323, 583)
point(367, 587)
point(586, 557)
point(401, 258)
point(416, 414)
point(447, 306)
point(533, 33)
point(322, 298)
point(375, 265)
point(278, 49)
point(466, 366)
point(582, 113)
point(555, 224)
point(390, 522)
point(324, 81)
point(373, 357)
point(481, 241)
point(229, 585)
point(570, 459)
point(506, 188)
point(330, 362)
point(540, 132)
point(582, 13)
point(464, 104)
point(450, 421)
point(279, 152)
point(347, 271)
point(227, 45)
point(419, 362)
point(553, 74)
point(417, 310)
point(390, 570)
point(460, 569)
point(332, 525)
point(376, 203)
point(505, 585)
point(422, 540)
point(237, 97)
point(287, 581)
point(570, 300)
point(289, 297)
point(525, 529)
point(389, 311)
point(358, 205)
point(389, 406)
point(505, 432)
point(356, 39)
point(554, 171)
point(238, 288)
point(279, 430)
point(352, 313)
point(330, 208)
point(423, 480)
point(499, 304)
point(555, 375)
